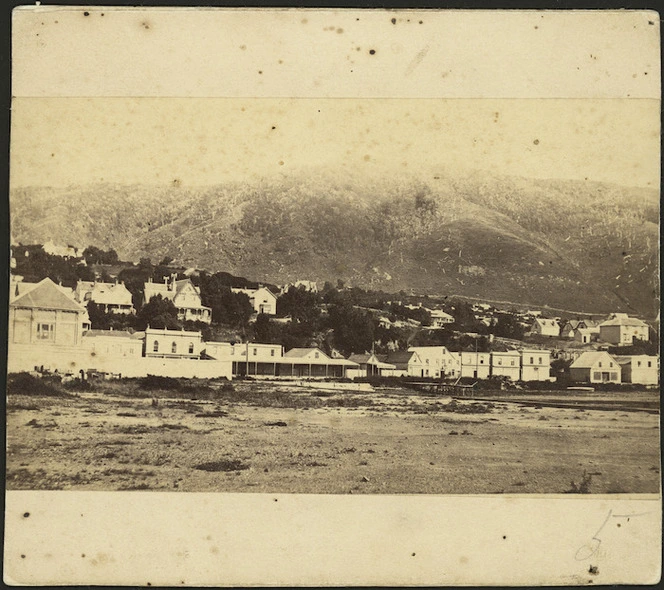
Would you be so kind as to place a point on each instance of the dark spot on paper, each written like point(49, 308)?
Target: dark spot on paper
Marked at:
point(645, 73)
point(618, 525)
point(82, 554)
point(145, 24)
point(649, 22)
point(243, 47)
point(102, 14)
point(280, 61)
point(273, 127)
point(304, 21)
point(412, 554)
point(276, 500)
point(281, 162)
point(86, 13)
point(260, 71)
point(394, 22)
point(372, 51)
point(421, 22)
point(504, 536)
point(340, 30)
point(593, 570)
point(26, 514)
point(536, 141)
point(22, 556)
point(149, 584)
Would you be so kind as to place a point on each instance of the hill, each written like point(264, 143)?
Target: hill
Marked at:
point(575, 245)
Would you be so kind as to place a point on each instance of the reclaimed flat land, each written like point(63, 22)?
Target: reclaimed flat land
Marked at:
point(280, 438)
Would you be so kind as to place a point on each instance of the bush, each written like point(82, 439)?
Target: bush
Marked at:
point(152, 382)
point(26, 384)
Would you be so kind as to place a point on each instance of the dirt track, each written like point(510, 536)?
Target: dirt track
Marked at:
point(384, 442)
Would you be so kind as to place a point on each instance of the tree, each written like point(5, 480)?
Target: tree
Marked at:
point(233, 309)
point(353, 328)
point(265, 330)
point(299, 304)
point(158, 313)
point(508, 326)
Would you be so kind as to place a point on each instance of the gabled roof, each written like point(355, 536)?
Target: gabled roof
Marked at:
point(104, 293)
point(252, 292)
point(114, 334)
point(304, 352)
point(588, 359)
point(361, 358)
point(402, 357)
point(46, 295)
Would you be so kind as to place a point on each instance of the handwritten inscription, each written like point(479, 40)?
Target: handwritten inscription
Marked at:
point(592, 547)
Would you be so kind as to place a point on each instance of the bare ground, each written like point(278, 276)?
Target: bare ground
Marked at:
point(387, 442)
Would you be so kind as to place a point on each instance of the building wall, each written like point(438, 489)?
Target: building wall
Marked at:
point(623, 334)
point(172, 343)
point(475, 365)
point(535, 365)
point(113, 346)
point(642, 369)
point(46, 327)
point(506, 365)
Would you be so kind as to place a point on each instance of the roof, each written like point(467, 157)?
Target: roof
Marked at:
point(401, 356)
point(104, 293)
point(114, 334)
point(588, 359)
point(621, 319)
point(360, 358)
point(46, 295)
point(252, 292)
point(303, 352)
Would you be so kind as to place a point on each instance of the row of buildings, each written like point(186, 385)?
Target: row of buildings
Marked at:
point(116, 298)
point(619, 329)
point(49, 328)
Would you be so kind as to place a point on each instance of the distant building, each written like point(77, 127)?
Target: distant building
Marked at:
point(439, 319)
point(438, 362)
point(475, 365)
point(545, 327)
point(370, 365)
point(642, 369)
point(114, 343)
point(595, 367)
point(262, 299)
point(506, 364)
point(312, 362)
point(535, 365)
point(63, 251)
point(185, 296)
point(622, 330)
point(174, 344)
point(586, 335)
point(568, 328)
point(406, 363)
point(111, 297)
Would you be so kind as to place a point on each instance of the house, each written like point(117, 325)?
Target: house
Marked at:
point(586, 335)
point(406, 364)
point(174, 344)
point(595, 367)
point(536, 365)
point(262, 299)
point(506, 363)
point(439, 319)
point(438, 361)
point(43, 313)
point(545, 327)
point(63, 251)
point(622, 330)
point(184, 295)
point(253, 358)
point(370, 365)
point(111, 297)
point(642, 369)
point(475, 365)
point(313, 362)
point(567, 329)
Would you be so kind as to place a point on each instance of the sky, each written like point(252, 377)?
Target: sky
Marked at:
point(196, 142)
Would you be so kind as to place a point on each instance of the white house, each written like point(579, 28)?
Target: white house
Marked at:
point(622, 330)
point(586, 335)
point(476, 365)
point(595, 367)
point(407, 363)
point(545, 327)
point(370, 365)
point(184, 295)
point(536, 365)
point(111, 297)
point(506, 364)
point(262, 299)
point(313, 362)
point(438, 361)
point(440, 319)
point(643, 369)
point(173, 344)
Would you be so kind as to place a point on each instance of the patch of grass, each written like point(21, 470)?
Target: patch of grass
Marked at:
point(468, 407)
point(222, 465)
point(29, 385)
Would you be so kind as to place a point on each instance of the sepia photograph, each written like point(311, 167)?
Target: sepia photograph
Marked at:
point(384, 293)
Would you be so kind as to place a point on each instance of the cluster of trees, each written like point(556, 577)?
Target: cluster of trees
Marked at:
point(94, 255)
point(34, 264)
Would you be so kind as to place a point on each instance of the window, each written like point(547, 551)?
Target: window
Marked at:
point(539, 360)
point(46, 331)
point(638, 363)
point(614, 376)
point(649, 364)
point(191, 348)
point(610, 364)
point(427, 361)
point(272, 352)
point(481, 361)
point(500, 361)
point(155, 346)
point(316, 355)
point(597, 376)
point(512, 363)
point(255, 351)
point(174, 347)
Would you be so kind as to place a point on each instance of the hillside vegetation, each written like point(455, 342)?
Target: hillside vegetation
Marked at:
point(567, 244)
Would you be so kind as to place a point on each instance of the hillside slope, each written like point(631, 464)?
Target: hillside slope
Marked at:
point(575, 245)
